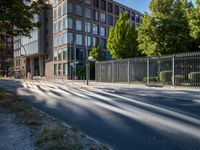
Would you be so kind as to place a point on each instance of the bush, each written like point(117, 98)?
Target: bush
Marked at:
point(178, 79)
point(194, 76)
point(166, 76)
point(151, 79)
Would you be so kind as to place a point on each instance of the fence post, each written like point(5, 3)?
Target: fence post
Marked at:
point(173, 70)
point(100, 72)
point(148, 71)
point(128, 73)
point(113, 71)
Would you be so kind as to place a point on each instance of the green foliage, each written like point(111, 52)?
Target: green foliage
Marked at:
point(81, 71)
point(14, 13)
point(97, 53)
point(122, 40)
point(194, 76)
point(151, 79)
point(166, 29)
point(194, 22)
point(166, 76)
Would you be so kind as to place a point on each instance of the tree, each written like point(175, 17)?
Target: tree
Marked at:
point(16, 18)
point(166, 29)
point(97, 53)
point(194, 22)
point(122, 41)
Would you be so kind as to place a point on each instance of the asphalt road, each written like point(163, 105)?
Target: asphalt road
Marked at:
point(138, 119)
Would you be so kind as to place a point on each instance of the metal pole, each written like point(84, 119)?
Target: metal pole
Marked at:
point(87, 62)
point(70, 59)
point(128, 71)
point(113, 71)
point(147, 71)
point(173, 71)
point(75, 58)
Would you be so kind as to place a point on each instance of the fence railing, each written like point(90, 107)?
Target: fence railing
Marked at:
point(176, 70)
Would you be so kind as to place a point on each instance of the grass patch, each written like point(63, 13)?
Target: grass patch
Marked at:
point(24, 111)
point(4, 95)
point(56, 139)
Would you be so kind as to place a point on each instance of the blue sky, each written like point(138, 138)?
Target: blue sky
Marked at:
point(140, 5)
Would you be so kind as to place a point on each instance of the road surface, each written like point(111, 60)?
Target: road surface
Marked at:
point(126, 119)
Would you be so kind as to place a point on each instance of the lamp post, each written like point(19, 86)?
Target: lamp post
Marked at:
point(87, 62)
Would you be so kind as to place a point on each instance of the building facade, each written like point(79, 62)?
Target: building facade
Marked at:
point(70, 29)
point(77, 26)
point(31, 53)
point(6, 55)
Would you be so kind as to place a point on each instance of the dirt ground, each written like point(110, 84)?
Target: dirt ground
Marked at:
point(13, 134)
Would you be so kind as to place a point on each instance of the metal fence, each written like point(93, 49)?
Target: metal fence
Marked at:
point(176, 70)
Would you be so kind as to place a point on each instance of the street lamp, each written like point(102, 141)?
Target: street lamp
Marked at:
point(87, 61)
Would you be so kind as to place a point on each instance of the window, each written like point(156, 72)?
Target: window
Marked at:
point(87, 13)
point(116, 10)
point(79, 25)
point(59, 69)
point(95, 41)
point(60, 55)
point(67, 23)
point(110, 20)
point(88, 2)
point(95, 29)
point(55, 42)
point(103, 5)
point(87, 40)
point(55, 14)
point(68, 37)
point(54, 2)
point(59, 11)
point(59, 26)
point(132, 16)
point(79, 11)
point(110, 7)
point(59, 40)
point(79, 39)
point(96, 15)
point(96, 3)
point(55, 55)
point(55, 69)
point(55, 28)
point(138, 18)
point(103, 18)
point(65, 69)
point(88, 27)
point(67, 7)
point(102, 43)
point(79, 54)
point(65, 54)
point(103, 31)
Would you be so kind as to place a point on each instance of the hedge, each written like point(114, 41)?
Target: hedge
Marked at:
point(166, 76)
point(194, 76)
point(151, 79)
